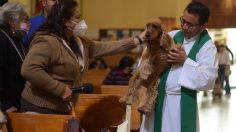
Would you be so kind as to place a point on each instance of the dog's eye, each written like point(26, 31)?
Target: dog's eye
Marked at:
point(154, 26)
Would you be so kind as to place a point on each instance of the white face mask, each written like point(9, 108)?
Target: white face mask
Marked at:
point(80, 28)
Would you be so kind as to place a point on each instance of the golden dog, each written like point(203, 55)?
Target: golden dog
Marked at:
point(152, 64)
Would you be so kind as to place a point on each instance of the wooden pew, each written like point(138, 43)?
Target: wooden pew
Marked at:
point(114, 60)
point(99, 111)
point(120, 90)
point(24, 122)
point(95, 77)
point(114, 89)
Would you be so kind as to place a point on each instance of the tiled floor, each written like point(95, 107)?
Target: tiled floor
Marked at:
point(218, 115)
point(232, 76)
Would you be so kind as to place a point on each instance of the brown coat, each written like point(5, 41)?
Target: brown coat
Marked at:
point(49, 66)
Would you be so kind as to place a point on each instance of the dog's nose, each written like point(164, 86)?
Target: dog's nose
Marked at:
point(148, 34)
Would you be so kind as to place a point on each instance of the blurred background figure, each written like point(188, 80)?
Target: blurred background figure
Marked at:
point(38, 20)
point(98, 63)
point(14, 24)
point(121, 74)
point(224, 68)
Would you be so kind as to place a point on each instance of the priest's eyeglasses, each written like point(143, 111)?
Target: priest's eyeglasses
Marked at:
point(188, 24)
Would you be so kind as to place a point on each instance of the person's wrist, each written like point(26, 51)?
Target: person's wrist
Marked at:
point(63, 95)
point(140, 40)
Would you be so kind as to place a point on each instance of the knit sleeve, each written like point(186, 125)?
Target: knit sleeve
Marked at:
point(34, 68)
point(103, 48)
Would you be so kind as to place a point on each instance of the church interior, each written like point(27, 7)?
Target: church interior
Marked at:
point(111, 20)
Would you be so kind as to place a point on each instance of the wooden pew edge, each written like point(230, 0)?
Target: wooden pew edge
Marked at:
point(12, 119)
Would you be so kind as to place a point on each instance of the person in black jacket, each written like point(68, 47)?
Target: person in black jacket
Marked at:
point(13, 26)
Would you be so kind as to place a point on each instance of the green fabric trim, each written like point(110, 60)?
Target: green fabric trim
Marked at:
point(188, 96)
point(178, 38)
point(160, 101)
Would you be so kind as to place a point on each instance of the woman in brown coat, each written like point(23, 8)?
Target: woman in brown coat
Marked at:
point(57, 59)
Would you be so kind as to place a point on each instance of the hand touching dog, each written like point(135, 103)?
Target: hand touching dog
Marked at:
point(177, 55)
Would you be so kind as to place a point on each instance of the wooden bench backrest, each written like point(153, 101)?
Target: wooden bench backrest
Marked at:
point(22, 122)
point(98, 111)
point(114, 60)
point(95, 77)
point(121, 90)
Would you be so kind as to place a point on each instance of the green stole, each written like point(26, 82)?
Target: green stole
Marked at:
point(188, 96)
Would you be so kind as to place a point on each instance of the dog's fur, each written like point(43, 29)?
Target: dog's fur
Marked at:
point(150, 70)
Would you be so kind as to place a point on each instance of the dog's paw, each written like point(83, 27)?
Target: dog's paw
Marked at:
point(141, 110)
point(145, 108)
point(122, 100)
point(126, 100)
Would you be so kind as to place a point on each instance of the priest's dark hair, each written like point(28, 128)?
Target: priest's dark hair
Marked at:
point(199, 9)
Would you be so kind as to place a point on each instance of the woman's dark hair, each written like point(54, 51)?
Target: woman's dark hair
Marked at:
point(126, 61)
point(59, 13)
point(199, 9)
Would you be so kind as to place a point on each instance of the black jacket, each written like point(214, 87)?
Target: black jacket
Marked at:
point(11, 81)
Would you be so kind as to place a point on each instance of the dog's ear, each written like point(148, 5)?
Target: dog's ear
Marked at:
point(166, 41)
point(162, 30)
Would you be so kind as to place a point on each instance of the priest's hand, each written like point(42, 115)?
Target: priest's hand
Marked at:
point(177, 56)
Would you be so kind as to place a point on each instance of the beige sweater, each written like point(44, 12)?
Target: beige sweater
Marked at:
point(49, 66)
